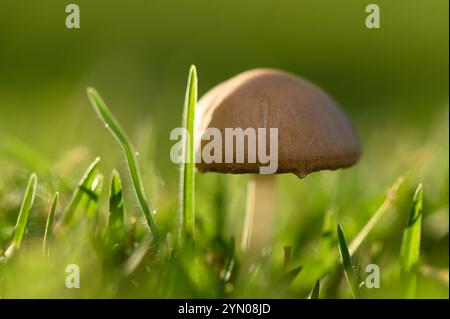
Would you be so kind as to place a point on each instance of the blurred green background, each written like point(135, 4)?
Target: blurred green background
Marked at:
point(392, 82)
point(137, 54)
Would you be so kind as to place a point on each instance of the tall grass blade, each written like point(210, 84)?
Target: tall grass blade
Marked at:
point(116, 130)
point(24, 214)
point(362, 235)
point(49, 224)
point(82, 195)
point(410, 248)
point(347, 263)
point(390, 197)
point(187, 172)
point(315, 291)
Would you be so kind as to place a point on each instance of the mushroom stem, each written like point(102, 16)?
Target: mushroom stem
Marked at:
point(259, 216)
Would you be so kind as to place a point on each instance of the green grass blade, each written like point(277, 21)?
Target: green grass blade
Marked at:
point(116, 219)
point(315, 291)
point(362, 235)
point(410, 248)
point(49, 224)
point(286, 279)
point(347, 263)
point(115, 200)
point(94, 196)
point(116, 130)
point(81, 195)
point(24, 214)
point(187, 174)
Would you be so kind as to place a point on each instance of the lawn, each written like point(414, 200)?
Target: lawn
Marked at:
point(87, 179)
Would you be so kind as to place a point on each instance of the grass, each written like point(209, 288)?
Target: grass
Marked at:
point(187, 174)
point(368, 227)
point(350, 275)
point(49, 225)
point(130, 154)
point(24, 214)
point(99, 227)
point(315, 291)
point(116, 223)
point(410, 249)
point(82, 195)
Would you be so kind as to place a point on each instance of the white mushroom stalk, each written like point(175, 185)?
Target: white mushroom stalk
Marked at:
point(260, 213)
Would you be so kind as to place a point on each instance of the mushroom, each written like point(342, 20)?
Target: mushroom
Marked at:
point(313, 134)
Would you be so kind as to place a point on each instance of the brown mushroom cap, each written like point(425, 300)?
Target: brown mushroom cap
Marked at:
point(313, 132)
